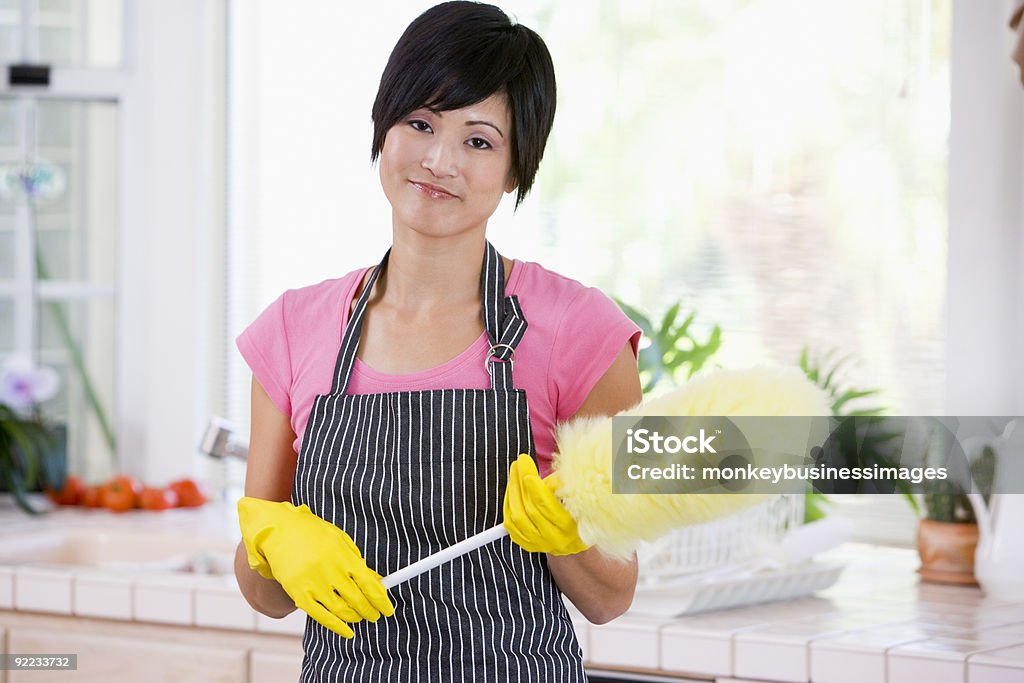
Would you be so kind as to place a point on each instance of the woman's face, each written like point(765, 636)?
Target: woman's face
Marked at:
point(444, 172)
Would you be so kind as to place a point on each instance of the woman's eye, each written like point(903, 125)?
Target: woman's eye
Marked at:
point(421, 126)
point(479, 143)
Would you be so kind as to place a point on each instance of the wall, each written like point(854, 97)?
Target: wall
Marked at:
point(985, 312)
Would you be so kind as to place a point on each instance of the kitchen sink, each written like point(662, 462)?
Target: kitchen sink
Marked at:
point(119, 550)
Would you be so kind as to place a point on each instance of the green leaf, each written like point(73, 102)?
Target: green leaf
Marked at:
point(24, 452)
point(13, 481)
point(827, 384)
point(670, 317)
point(912, 499)
point(850, 395)
point(671, 345)
point(867, 412)
point(683, 331)
point(813, 506)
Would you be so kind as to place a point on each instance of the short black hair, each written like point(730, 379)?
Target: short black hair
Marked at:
point(460, 53)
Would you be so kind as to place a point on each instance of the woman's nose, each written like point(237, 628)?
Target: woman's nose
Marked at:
point(440, 159)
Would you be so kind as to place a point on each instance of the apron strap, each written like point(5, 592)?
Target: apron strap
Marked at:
point(350, 341)
point(503, 322)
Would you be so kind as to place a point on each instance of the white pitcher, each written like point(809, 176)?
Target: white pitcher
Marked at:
point(999, 557)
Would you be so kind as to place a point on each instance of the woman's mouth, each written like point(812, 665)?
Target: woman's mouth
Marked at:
point(432, 191)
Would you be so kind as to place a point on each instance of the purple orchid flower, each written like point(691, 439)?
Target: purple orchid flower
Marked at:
point(24, 384)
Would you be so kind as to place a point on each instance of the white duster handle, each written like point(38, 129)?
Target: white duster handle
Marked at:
point(442, 556)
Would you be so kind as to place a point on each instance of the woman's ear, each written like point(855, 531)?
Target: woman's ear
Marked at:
point(511, 184)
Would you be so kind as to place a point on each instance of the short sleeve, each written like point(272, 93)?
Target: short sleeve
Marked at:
point(264, 346)
point(589, 338)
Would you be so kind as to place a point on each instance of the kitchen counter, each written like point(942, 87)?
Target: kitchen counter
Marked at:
point(877, 623)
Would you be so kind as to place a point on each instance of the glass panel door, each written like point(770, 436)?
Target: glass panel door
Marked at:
point(58, 227)
point(62, 33)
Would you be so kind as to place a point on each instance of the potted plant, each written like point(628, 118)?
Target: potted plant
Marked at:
point(32, 450)
point(846, 402)
point(947, 535)
point(673, 348)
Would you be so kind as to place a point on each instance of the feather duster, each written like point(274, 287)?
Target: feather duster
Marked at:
point(617, 523)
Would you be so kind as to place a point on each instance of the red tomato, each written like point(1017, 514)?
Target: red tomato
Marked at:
point(131, 482)
point(157, 499)
point(71, 494)
point(120, 493)
point(91, 497)
point(191, 494)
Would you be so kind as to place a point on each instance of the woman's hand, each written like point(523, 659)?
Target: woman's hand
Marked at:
point(315, 562)
point(534, 517)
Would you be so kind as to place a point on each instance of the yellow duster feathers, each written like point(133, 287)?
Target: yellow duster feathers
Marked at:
point(617, 523)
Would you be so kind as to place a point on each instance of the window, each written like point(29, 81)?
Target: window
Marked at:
point(778, 167)
point(58, 233)
point(784, 182)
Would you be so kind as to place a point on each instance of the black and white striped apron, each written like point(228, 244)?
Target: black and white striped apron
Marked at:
point(409, 473)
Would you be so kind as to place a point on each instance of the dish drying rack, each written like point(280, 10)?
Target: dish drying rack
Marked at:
point(729, 540)
point(713, 566)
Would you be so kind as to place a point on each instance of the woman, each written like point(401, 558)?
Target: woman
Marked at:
point(448, 362)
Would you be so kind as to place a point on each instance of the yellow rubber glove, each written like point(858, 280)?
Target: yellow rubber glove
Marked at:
point(534, 517)
point(317, 564)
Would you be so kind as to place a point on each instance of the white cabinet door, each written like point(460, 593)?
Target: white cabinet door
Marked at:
point(107, 659)
point(274, 667)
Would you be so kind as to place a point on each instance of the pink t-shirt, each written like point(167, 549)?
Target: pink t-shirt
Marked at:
point(574, 334)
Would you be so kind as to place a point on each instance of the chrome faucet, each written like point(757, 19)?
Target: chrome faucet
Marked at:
point(217, 441)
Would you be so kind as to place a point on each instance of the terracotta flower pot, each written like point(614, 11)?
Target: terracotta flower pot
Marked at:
point(947, 551)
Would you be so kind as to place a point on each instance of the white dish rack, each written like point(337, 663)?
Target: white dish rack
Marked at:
point(729, 540)
point(785, 583)
point(716, 565)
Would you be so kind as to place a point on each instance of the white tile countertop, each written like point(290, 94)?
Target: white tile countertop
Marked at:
point(877, 623)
